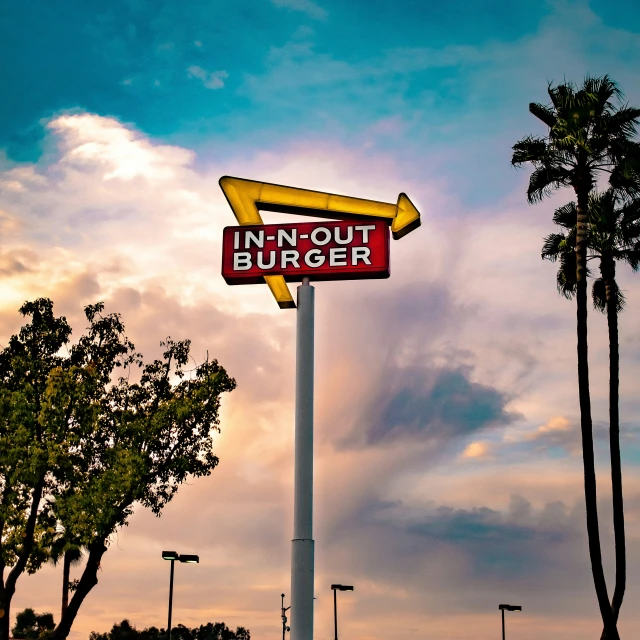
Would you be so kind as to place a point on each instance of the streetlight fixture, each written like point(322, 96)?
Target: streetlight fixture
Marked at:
point(173, 556)
point(189, 559)
point(336, 588)
point(508, 607)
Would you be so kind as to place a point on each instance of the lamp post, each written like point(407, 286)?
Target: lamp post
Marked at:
point(283, 615)
point(173, 556)
point(508, 607)
point(336, 588)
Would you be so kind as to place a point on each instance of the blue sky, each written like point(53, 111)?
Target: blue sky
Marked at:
point(253, 73)
point(131, 60)
point(448, 471)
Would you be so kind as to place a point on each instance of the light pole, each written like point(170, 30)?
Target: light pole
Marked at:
point(283, 614)
point(336, 588)
point(173, 556)
point(302, 561)
point(508, 607)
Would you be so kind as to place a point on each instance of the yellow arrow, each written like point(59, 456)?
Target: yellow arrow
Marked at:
point(247, 197)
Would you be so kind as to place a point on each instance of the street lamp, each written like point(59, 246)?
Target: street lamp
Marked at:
point(283, 615)
point(508, 607)
point(336, 588)
point(173, 556)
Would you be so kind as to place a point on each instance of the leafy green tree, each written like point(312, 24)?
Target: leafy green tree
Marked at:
point(30, 624)
point(211, 631)
point(26, 624)
point(32, 448)
point(125, 631)
point(91, 443)
point(614, 236)
point(587, 135)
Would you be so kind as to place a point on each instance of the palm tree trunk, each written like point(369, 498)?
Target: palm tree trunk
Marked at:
point(586, 423)
point(608, 275)
point(66, 570)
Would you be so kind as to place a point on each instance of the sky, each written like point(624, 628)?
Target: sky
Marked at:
point(448, 476)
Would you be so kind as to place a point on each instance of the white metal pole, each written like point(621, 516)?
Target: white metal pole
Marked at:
point(302, 544)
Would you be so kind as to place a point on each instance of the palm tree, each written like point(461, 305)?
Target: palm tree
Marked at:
point(587, 135)
point(71, 554)
point(614, 236)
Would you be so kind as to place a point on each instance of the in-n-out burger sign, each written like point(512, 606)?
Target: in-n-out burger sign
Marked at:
point(342, 250)
point(354, 246)
point(353, 243)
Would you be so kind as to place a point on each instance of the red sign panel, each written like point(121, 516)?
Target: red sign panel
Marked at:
point(344, 250)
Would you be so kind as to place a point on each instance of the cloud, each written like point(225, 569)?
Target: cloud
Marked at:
point(432, 404)
point(558, 431)
point(518, 548)
point(308, 7)
point(477, 450)
point(210, 79)
point(459, 343)
point(94, 142)
point(500, 545)
point(17, 261)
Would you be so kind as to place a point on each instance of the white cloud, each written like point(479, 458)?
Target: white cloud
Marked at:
point(92, 141)
point(211, 80)
point(310, 8)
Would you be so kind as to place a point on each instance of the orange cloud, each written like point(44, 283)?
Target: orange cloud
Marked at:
point(476, 450)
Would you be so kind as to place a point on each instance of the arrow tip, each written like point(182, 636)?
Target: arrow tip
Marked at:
point(407, 217)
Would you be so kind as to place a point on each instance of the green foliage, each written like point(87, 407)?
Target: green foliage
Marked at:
point(30, 624)
point(80, 444)
point(62, 549)
point(146, 439)
point(211, 631)
point(31, 447)
point(587, 133)
point(613, 236)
